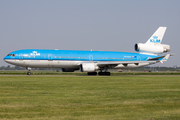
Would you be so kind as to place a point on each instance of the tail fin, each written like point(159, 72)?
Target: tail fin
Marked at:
point(157, 37)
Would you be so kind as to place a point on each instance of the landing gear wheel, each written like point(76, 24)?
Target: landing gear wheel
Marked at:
point(108, 73)
point(104, 73)
point(92, 73)
point(28, 73)
point(100, 73)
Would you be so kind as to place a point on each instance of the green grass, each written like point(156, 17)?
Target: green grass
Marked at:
point(38, 72)
point(90, 98)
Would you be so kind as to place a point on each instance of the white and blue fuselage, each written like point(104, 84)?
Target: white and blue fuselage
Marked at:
point(92, 61)
point(41, 58)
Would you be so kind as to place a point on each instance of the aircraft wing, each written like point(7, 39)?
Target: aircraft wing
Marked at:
point(150, 61)
point(101, 64)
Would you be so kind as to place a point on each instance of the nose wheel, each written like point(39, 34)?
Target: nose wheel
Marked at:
point(28, 73)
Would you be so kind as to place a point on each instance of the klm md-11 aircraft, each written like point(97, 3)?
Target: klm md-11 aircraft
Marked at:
point(93, 61)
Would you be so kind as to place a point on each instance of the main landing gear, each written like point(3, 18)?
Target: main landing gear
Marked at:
point(92, 73)
point(29, 71)
point(99, 73)
point(104, 73)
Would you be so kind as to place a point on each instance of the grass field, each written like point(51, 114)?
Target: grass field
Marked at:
point(90, 98)
point(53, 72)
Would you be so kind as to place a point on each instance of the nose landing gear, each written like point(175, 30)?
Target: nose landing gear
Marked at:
point(29, 71)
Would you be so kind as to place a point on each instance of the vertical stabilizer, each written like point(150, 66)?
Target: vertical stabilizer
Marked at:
point(157, 37)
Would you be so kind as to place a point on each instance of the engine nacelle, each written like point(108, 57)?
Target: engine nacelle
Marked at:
point(89, 67)
point(152, 48)
point(69, 69)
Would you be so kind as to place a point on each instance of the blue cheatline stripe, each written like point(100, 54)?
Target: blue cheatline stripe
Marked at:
point(73, 60)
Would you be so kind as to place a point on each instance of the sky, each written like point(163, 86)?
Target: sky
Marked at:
point(106, 25)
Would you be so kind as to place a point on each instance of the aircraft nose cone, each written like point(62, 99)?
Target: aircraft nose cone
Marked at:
point(5, 59)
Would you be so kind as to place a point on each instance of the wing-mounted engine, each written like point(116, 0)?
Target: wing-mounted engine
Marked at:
point(89, 67)
point(69, 69)
point(152, 48)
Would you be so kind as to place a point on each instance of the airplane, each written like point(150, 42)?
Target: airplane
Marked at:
point(93, 61)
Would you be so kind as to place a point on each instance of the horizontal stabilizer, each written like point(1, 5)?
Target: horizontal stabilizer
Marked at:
point(165, 58)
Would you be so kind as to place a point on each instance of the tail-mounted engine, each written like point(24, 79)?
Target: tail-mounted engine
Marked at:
point(152, 48)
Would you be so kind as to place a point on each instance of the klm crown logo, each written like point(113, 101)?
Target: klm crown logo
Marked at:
point(35, 53)
point(164, 59)
point(155, 40)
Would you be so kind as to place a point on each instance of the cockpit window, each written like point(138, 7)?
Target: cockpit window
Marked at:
point(11, 55)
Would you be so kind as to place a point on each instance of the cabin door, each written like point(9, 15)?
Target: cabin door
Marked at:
point(138, 58)
point(49, 57)
point(50, 60)
point(90, 57)
point(20, 56)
